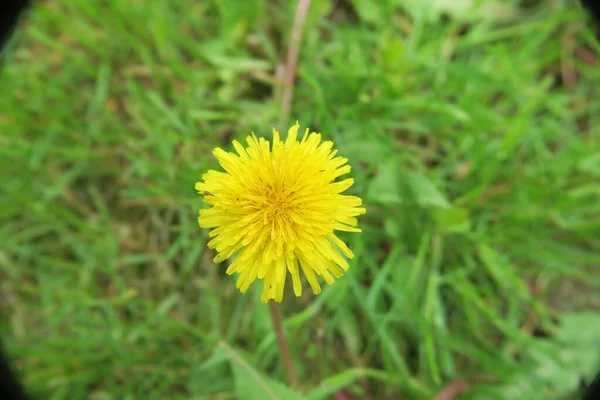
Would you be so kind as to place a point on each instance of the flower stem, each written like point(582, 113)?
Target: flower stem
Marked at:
point(289, 73)
point(284, 348)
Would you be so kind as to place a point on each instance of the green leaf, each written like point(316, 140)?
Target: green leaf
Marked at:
point(238, 64)
point(392, 187)
point(317, 11)
point(424, 191)
point(502, 272)
point(205, 379)
point(452, 219)
point(218, 357)
point(250, 384)
point(580, 339)
point(590, 164)
point(369, 151)
point(385, 187)
point(368, 10)
point(465, 10)
point(393, 227)
point(580, 328)
point(555, 369)
point(554, 373)
point(335, 383)
point(392, 51)
point(350, 332)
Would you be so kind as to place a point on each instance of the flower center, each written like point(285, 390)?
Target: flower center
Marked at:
point(278, 204)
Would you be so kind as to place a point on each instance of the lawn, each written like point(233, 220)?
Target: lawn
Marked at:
point(474, 137)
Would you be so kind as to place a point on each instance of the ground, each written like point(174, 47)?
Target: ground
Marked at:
point(473, 133)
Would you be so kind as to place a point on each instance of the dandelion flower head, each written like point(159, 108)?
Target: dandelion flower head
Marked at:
point(275, 210)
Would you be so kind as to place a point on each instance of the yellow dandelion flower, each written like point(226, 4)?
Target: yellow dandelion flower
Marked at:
point(275, 210)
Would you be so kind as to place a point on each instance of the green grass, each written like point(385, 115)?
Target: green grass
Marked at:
point(477, 156)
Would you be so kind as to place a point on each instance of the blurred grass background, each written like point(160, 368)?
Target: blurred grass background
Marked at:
point(473, 132)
